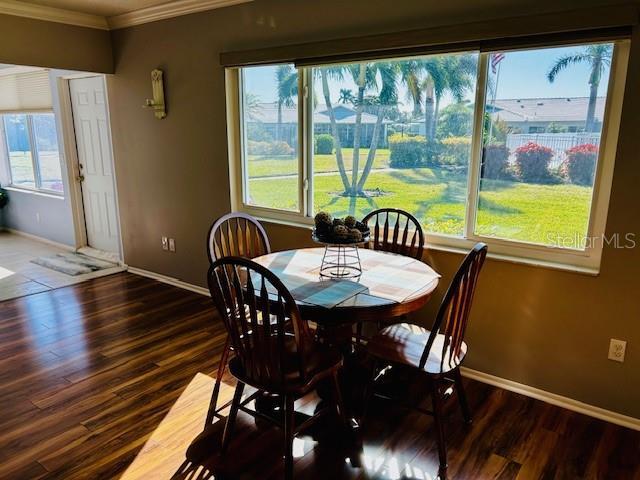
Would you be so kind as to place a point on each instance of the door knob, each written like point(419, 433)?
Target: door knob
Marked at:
point(80, 178)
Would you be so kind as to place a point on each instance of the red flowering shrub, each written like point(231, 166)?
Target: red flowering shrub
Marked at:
point(580, 165)
point(532, 163)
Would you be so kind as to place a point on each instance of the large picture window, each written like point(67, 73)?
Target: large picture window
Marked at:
point(32, 151)
point(507, 147)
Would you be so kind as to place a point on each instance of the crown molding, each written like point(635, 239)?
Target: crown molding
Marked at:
point(51, 14)
point(167, 10)
point(137, 17)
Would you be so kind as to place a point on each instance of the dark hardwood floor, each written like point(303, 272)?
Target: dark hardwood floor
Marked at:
point(111, 379)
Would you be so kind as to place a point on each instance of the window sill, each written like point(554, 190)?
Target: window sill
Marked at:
point(463, 250)
point(532, 262)
point(40, 193)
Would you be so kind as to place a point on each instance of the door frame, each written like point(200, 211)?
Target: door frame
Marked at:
point(72, 160)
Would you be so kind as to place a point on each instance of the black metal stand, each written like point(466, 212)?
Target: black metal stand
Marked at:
point(340, 261)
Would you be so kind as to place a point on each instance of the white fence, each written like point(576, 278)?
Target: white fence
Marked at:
point(558, 142)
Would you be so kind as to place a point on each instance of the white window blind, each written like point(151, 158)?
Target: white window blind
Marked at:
point(25, 92)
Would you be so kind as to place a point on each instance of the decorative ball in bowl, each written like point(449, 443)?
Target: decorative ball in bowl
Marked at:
point(339, 231)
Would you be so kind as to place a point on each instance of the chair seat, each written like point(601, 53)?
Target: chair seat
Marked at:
point(320, 362)
point(404, 343)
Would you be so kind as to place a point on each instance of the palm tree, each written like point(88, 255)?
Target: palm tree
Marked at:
point(337, 73)
point(598, 57)
point(428, 79)
point(410, 76)
point(287, 88)
point(363, 76)
point(434, 85)
point(385, 100)
point(459, 72)
point(385, 95)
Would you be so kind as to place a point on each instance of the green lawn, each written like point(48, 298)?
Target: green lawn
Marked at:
point(513, 210)
point(50, 172)
point(263, 166)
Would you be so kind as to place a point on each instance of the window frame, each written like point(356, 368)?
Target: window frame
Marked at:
point(583, 261)
point(35, 154)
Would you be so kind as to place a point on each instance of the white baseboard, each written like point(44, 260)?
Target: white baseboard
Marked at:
point(510, 385)
point(31, 236)
point(553, 399)
point(169, 280)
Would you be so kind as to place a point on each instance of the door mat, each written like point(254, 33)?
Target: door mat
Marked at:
point(72, 263)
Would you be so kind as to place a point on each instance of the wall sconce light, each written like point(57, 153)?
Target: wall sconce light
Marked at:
point(157, 103)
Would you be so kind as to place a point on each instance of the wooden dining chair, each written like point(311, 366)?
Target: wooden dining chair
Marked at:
point(237, 234)
point(274, 350)
point(233, 234)
point(396, 231)
point(437, 354)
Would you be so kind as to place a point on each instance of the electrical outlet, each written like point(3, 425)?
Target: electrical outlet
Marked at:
point(165, 243)
point(38, 217)
point(172, 245)
point(617, 350)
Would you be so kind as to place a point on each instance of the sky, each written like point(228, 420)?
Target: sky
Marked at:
point(523, 74)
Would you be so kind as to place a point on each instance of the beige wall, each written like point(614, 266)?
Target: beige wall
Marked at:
point(24, 41)
point(545, 328)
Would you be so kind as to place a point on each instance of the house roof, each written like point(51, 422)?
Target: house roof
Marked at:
point(562, 109)
point(268, 113)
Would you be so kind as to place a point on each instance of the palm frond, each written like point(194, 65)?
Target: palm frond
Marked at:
point(434, 67)
point(410, 73)
point(389, 89)
point(566, 61)
point(287, 84)
point(334, 72)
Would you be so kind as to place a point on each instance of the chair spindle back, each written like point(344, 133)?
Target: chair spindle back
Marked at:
point(262, 319)
point(237, 234)
point(395, 231)
point(453, 315)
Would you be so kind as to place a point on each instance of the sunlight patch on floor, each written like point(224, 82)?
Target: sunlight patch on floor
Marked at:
point(5, 272)
point(164, 455)
point(302, 446)
point(165, 450)
point(392, 468)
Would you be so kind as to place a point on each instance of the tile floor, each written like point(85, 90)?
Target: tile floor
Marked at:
point(20, 277)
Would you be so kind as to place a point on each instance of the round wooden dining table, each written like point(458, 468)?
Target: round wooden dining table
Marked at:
point(390, 286)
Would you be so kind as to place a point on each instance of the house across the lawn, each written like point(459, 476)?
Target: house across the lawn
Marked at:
point(534, 115)
point(537, 115)
point(283, 125)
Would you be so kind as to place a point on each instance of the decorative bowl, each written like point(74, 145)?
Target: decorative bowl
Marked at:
point(329, 239)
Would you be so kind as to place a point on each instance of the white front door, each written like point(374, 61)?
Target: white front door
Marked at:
point(93, 140)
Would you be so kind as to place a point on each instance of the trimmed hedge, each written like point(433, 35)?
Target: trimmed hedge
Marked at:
point(269, 148)
point(532, 163)
point(455, 151)
point(406, 151)
point(580, 165)
point(324, 144)
point(495, 161)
